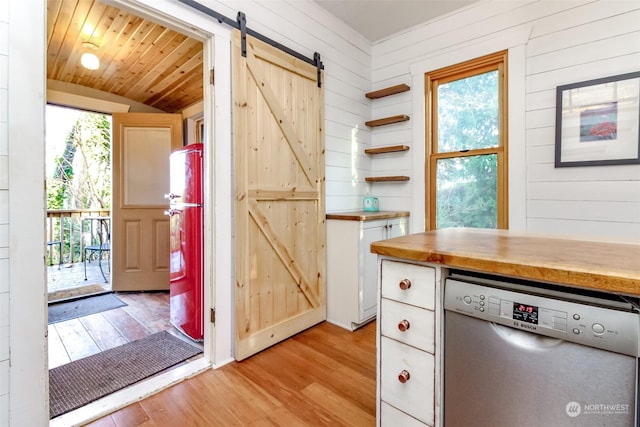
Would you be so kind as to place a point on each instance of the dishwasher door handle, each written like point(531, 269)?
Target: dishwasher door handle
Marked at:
point(523, 339)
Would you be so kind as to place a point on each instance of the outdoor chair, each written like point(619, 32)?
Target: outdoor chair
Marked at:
point(57, 243)
point(97, 242)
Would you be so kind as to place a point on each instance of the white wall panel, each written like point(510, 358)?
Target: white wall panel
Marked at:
point(4, 218)
point(304, 26)
point(586, 190)
point(614, 231)
point(578, 13)
point(589, 70)
point(299, 24)
point(405, 43)
point(540, 136)
point(568, 41)
point(600, 26)
point(547, 172)
point(611, 47)
point(627, 212)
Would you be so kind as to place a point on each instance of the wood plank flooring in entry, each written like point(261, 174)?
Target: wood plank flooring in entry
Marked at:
point(145, 314)
point(324, 376)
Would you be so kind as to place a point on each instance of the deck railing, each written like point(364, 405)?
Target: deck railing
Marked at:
point(65, 226)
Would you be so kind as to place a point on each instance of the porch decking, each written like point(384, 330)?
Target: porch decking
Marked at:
point(68, 280)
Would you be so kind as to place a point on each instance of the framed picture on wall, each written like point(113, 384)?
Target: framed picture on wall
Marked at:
point(597, 122)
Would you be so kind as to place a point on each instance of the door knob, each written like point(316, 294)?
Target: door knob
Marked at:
point(405, 284)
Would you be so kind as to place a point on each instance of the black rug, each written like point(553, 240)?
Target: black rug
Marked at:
point(62, 311)
point(77, 383)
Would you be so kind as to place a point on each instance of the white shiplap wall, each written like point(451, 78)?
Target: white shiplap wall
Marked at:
point(23, 326)
point(305, 27)
point(300, 24)
point(566, 41)
point(4, 218)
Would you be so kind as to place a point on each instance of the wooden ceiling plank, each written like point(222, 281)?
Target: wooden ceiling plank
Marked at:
point(178, 87)
point(56, 43)
point(53, 9)
point(126, 30)
point(139, 59)
point(176, 71)
point(126, 63)
point(189, 95)
point(170, 63)
point(69, 54)
point(169, 41)
point(108, 27)
point(189, 92)
point(72, 70)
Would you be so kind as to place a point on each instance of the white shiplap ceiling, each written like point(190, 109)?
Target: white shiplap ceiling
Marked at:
point(377, 19)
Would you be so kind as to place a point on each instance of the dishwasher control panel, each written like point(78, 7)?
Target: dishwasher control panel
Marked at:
point(592, 325)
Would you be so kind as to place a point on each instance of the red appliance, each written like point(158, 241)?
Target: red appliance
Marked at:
point(186, 243)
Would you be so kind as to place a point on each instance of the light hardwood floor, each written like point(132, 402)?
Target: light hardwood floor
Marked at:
point(324, 376)
point(145, 314)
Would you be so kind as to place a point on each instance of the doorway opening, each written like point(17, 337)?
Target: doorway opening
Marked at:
point(145, 67)
point(78, 191)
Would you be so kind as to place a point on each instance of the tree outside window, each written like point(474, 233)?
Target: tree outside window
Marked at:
point(80, 176)
point(466, 177)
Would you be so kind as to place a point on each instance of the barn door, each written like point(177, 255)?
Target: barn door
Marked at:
point(279, 196)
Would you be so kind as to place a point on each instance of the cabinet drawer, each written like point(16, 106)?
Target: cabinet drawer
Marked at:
point(409, 324)
point(419, 279)
point(391, 417)
point(416, 395)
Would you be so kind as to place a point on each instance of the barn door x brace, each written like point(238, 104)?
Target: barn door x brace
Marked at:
point(241, 24)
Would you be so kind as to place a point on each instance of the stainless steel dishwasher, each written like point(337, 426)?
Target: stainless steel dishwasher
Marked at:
point(521, 355)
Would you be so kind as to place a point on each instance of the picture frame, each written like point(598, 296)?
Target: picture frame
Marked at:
point(598, 122)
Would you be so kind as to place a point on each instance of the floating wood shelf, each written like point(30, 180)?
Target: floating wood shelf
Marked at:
point(398, 178)
point(387, 91)
point(388, 149)
point(387, 120)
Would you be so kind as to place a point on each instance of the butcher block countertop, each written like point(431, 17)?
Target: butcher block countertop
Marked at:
point(365, 215)
point(597, 265)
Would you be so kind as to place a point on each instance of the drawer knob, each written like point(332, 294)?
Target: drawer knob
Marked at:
point(404, 376)
point(405, 284)
point(404, 325)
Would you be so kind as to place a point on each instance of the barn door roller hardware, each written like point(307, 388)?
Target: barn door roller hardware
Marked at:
point(241, 24)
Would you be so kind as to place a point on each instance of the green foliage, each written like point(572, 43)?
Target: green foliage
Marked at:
point(82, 174)
point(81, 177)
point(466, 193)
point(467, 120)
point(468, 113)
point(63, 173)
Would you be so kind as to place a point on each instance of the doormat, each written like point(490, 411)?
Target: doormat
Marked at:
point(81, 382)
point(64, 295)
point(60, 312)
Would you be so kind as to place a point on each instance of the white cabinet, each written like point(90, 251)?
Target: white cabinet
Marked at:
point(352, 282)
point(407, 345)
